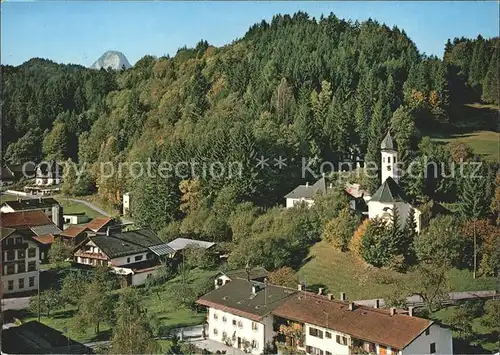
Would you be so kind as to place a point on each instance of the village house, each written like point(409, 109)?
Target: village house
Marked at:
point(75, 218)
point(35, 224)
point(48, 173)
point(305, 194)
point(49, 206)
point(180, 244)
point(74, 234)
point(134, 255)
point(20, 260)
point(249, 314)
point(252, 274)
point(12, 173)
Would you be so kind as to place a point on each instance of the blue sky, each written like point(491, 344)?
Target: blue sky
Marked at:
point(79, 32)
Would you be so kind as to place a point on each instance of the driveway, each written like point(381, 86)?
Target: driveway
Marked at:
point(213, 346)
point(15, 303)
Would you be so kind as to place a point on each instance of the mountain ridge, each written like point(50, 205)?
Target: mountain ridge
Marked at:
point(115, 60)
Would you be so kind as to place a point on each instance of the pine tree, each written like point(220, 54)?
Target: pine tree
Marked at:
point(491, 89)
point(473, 199)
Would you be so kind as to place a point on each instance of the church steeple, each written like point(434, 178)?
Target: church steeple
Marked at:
point(389, 152)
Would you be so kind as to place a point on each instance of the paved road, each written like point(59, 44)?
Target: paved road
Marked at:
point(15, 303)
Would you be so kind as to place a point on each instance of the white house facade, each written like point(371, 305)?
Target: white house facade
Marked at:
point(305, 194)
point(20, 255)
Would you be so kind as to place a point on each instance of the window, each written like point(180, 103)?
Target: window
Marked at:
point(316, 332)
point(219, 282)
point(31, 281)
point(389, 160)
point(240, 324)
point(328, 335)
point(216, 316)
point(31, 252)
point(254, 344)
point(224, 319)
point(11, 269)
point(234, 322)
point(433, 348)
point(313, 350)
point(216, 331)
point(224, 335)
point(255, 326)
point(341, 340)
point(138, 257)
point(21, 283)
point(10, 241)
point(427, 331)
point(19, 240)
point(372, 348)
point(21, 267)
point(10, 255)
point(11, 285)
point(394, 160)
point(31, 265)
point(21, 254)
point(328, 353)
point(128, 260)
point(383, 160)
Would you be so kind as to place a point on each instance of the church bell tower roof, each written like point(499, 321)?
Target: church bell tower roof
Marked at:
point(388, 143)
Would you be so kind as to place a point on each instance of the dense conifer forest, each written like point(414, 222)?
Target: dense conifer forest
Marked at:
point(324, 89)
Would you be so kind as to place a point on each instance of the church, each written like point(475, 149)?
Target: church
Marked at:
point(390, 195)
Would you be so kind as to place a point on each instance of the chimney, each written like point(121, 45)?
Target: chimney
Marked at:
point(57, 216)
point(307, 183)
point(410, 311)
point(300, 287)
point(377, 304)
point(342, 296)
point(393, 311)
point(351, 306)
point(320, 290)
point(330, 297)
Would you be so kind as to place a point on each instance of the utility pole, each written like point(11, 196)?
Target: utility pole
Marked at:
point(38, 289)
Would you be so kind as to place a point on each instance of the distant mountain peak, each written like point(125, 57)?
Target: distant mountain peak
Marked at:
point(114, 59)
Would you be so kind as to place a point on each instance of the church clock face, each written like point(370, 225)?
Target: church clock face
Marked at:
point(388, 168)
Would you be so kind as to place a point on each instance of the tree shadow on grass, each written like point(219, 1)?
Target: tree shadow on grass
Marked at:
point(69, 313)
point(103, 335)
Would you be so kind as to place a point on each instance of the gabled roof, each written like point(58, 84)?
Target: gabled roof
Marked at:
point(6, 174)
point(366, 323)
point(389, 192)
point(254, 274)
point(181, 243)
point(98, 223)
point(162, 249)
point(24, 219)
point(31, 203)
point(388, 143)
point(73, 231)
point(125, 243)
point(308, 191)
point(46, 229)
point(236, 297)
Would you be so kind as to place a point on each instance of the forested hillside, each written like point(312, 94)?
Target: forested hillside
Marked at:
point(295, 87)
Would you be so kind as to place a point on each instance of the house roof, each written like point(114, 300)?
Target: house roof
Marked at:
point(126, 243)
point(255, 273)
point(6, 174)
point(73, 231)
point(375, 325)
point(46, 229)
point(45, 239)
point(389, 191)
point(388, 143)
point(98, 223)
point(162, 249)
point(31, 203)
point(181, 243)
point(308, 191)
point(236, 297)
point(24, 218)
point(18, 169)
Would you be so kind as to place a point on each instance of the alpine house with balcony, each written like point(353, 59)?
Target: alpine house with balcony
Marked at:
point(250, 315)
point(134, 255)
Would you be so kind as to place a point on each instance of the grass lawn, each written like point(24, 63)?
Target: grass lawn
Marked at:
point(343, 272)
point(77, 207)
point(169, 313)
point(158, 304)
point(484, 143)
point(475, 125)
point(483, 339)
